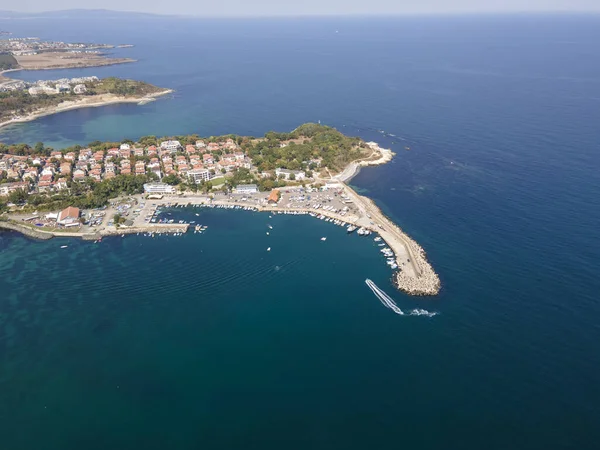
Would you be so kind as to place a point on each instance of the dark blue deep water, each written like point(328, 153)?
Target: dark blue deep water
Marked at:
point(209, 342)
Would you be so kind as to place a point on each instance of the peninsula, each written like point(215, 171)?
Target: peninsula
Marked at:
point(22, 102)
point(84, 190)
point(31, 53)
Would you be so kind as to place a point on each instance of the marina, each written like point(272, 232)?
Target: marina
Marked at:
point(338, 205)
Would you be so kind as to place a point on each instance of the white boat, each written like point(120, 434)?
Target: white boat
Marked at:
point(351, 229)
point(269, 249)
point(270, 227)
point(377, 239)
point(63, 246)
point(323, 238)
point(267, 233)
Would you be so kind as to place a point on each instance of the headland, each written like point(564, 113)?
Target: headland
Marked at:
point(24, 102)
point(225, 171)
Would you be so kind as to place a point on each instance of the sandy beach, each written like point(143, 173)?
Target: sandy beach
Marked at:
point(85, 102)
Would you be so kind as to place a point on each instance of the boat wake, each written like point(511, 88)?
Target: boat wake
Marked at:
point(388, 302)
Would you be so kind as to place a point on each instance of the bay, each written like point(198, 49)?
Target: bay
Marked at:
point(200, 341)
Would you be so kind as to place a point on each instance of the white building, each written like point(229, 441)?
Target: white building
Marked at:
point(299, 175)
point(246, 189)
point(68, 217)
point(158, 188)
point(125, 147)
point(63, 88)
point(170, 146)
point(80, 89)
point(199, 175)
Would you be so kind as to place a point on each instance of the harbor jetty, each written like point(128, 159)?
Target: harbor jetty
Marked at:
point(326, 197)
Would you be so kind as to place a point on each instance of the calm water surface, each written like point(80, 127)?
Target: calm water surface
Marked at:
point(208, 341)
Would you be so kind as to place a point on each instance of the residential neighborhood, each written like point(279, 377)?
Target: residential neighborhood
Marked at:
point(49, 87)
point(205, 161)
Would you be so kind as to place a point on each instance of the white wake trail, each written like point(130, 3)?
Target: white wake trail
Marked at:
point(388, 302)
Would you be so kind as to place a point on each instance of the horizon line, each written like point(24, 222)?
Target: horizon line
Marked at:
point(309, 15)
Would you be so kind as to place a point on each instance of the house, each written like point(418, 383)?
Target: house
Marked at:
point(63, 87)
point(140, 168)
point(138, 151)
point(56, 155)
point(60, 184)
point(158, 188)
point(274, 197)
point(207, 158)
point(199, 175)
point(246, 189)
point(7, 188)
point(79, 175)
point(65, 168)
point(69, 217)
point(80, 89)
point(200, 144)
point(170, 146)
point(125, 146)
point(286, 174)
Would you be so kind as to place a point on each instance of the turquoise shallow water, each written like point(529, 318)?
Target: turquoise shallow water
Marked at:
point(200, 341)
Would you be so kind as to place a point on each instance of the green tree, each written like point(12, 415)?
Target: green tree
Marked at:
point(171, 179)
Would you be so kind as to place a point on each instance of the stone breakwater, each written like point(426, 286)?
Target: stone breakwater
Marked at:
point(27, 231)
point(418, 278)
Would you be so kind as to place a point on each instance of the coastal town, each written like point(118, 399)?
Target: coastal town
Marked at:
point(50, 193)
point(50, 87)
point(34, 53)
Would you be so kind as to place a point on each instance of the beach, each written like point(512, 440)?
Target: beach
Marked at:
point(85, 102)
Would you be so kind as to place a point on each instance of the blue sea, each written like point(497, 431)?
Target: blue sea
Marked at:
point(211, 342)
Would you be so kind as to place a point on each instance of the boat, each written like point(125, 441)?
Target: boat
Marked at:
point(63, 246)
point(323, 238)
point(270, 227)
point(351, 229)
point(267, 233)
point(377, 239)
point(269, 249)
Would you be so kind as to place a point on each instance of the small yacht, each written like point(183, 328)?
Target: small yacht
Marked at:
point(323, 238)
point(269, 249)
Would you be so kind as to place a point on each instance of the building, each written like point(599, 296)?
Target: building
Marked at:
point(69, 217)
point(158, 188)
point(7, 188)
point(274, 196)
point(170, 146)
point(80, 89)
point(199, 175)
point(246, 189)
point(287, 174)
